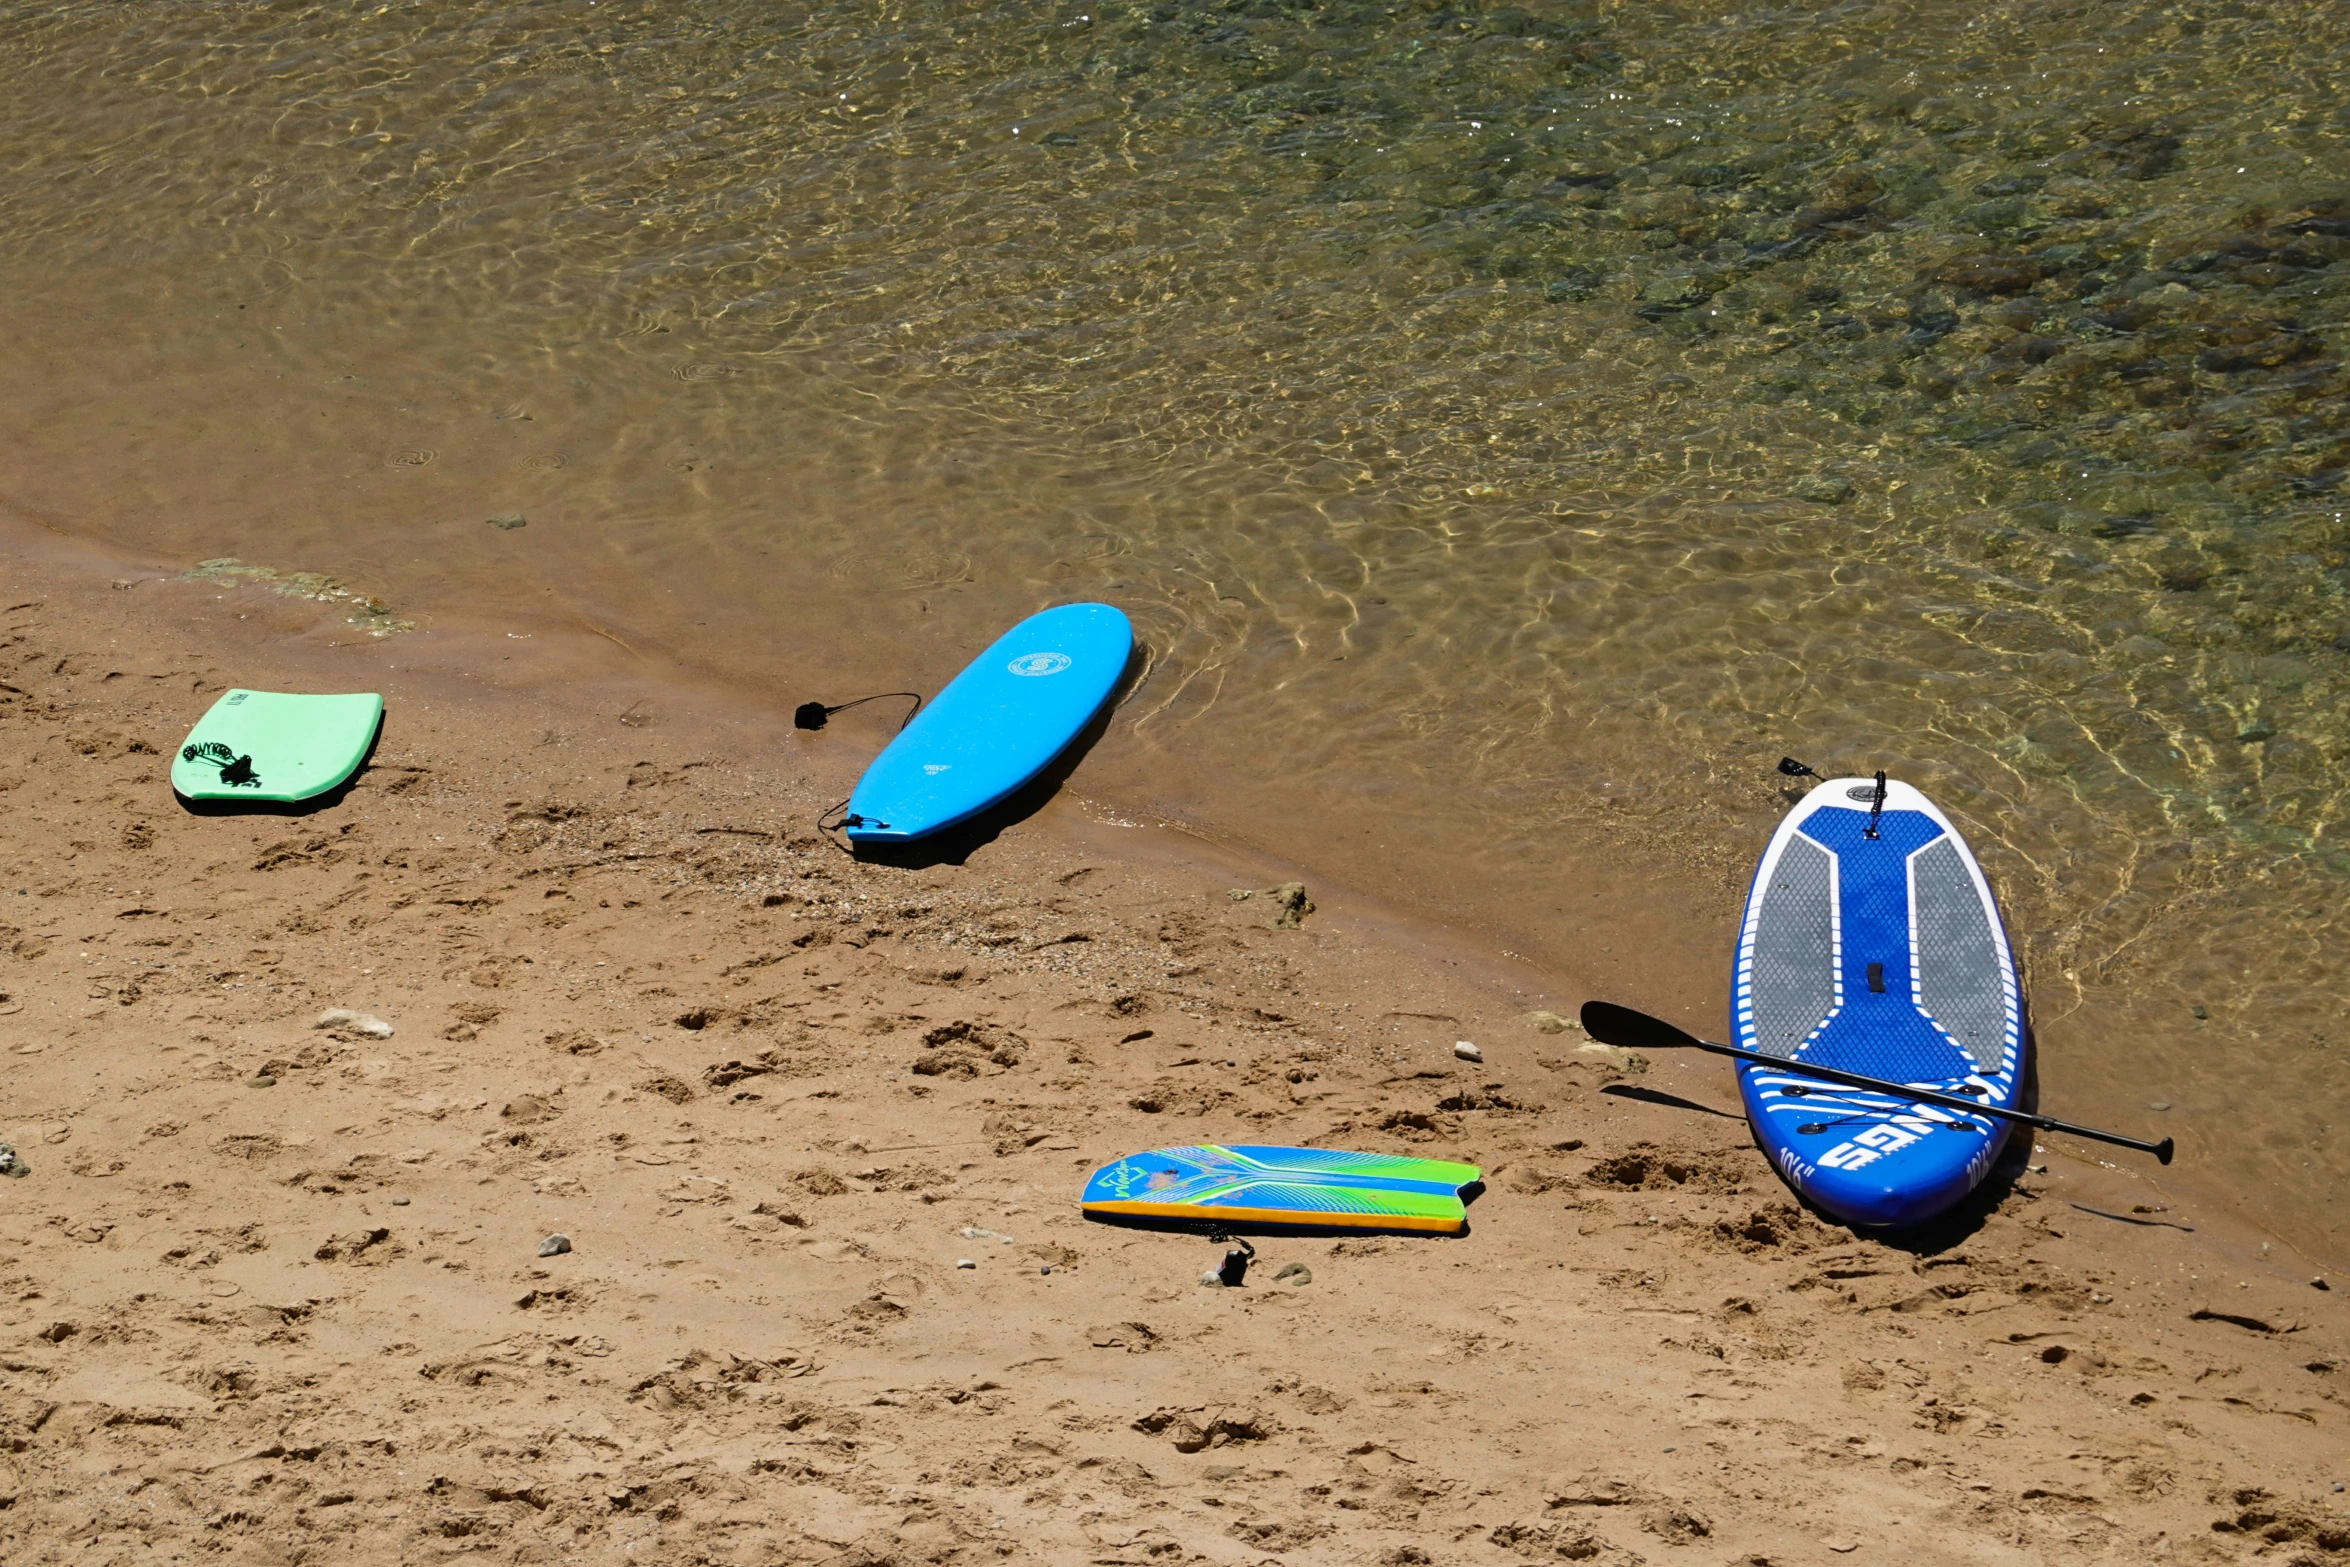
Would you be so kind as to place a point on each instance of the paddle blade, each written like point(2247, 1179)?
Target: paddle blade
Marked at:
point(2162, 1152)
point(1630, 1030)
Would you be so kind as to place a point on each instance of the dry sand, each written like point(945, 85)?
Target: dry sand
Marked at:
point(773, 1096)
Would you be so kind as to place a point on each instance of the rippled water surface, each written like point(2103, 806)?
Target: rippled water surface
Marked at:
point(1502, 418)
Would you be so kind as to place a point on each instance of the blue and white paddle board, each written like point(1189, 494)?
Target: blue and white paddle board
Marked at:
point(1871, 943)
point(996, 725)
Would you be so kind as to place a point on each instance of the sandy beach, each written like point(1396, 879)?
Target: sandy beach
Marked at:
point(276, 1290)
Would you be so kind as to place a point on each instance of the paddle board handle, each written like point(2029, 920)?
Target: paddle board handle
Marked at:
point(1623, 1027)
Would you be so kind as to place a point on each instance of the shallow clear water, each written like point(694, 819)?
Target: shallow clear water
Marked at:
point(1491, 414)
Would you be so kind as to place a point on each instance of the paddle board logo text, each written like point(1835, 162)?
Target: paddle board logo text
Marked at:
point(1039, 664)
point(235, 771)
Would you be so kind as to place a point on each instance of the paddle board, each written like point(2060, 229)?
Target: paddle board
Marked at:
point(996, 725)
point(275, 745)
point(1871, 944)
point(1316, 1188)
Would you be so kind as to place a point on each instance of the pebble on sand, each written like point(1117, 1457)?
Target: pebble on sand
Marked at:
point(965, 1262)
point(354, 1022)
point(10, 1164)
point(1467, 1051)
point(509, 521)
point(261, 1080)
point(1212, 1277)
point(554, 1245)
point(399, 1202)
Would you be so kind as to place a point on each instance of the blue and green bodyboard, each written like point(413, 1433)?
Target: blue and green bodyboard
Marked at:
point(1297, 1188)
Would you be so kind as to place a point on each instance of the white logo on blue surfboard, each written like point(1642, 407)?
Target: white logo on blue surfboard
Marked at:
point(1039, 664)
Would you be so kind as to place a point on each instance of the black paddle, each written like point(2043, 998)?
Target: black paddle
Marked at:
point(1630, 1030)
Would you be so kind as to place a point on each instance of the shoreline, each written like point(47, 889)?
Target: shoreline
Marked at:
point(774, 1097)
point(1677, 890)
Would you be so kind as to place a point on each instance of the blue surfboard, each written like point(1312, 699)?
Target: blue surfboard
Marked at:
point(1871, 944)
point(996, 725)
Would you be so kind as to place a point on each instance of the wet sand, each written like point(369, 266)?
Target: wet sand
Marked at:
point(774, 1097)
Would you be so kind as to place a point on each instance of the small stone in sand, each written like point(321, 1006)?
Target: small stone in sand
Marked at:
point(261, 1080)
point(1293, 1273)
point(11, 1165)
point(1047, 1268)
point(965, 1262)
point(1467, 1051)
point(354, 1022)
point(554, 1245)
point(1212, 1277)
point(2159, 1104)
point(399, 1202)
point(509, 521)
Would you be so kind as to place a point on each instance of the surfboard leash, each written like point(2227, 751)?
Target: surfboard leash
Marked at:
point(813, 715)
point(827, 824)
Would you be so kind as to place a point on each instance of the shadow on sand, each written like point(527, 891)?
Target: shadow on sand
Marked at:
point(1657, 1096)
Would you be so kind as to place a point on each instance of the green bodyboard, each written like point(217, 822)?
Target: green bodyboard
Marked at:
point(276, 745)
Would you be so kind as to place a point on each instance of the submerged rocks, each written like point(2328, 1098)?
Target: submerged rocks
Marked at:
point(1986, 273)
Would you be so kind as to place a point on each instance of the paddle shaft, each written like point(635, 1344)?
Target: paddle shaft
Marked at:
point(1602, 1019)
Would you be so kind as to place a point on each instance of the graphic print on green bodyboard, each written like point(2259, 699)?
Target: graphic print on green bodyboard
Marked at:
point(275, 745)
